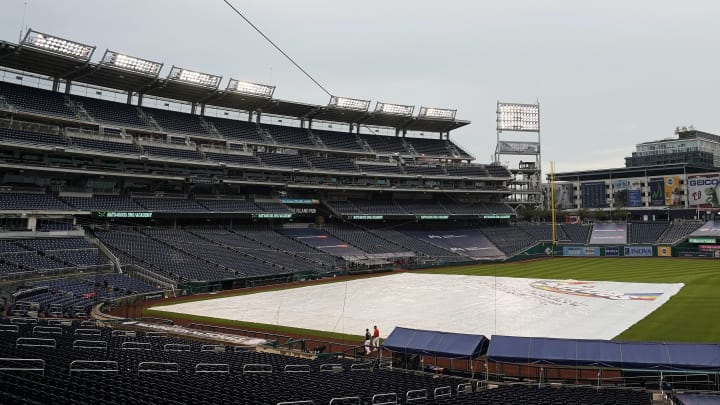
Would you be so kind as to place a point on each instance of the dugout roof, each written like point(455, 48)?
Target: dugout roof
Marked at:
point(604, 353)
point(435, 343)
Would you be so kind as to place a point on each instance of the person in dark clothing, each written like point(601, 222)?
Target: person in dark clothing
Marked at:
point(367, 341)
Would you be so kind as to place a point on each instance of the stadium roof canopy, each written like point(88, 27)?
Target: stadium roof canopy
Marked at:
point(434, 343)
point(39, 61)
point(604, 353)
point(71, 62)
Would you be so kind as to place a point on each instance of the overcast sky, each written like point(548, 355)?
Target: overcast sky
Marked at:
point(608, 74)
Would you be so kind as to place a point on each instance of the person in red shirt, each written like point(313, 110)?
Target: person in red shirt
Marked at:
point(376, 338)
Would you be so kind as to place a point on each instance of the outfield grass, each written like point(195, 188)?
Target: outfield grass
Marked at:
point(689, 316)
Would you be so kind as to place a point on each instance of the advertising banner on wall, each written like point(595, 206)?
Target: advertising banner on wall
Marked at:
point(673, 192)
point(703, 190)
point(634, 193)
point(695, 254)
point(638, 251)
point(634, 198)
point(612, 251)
point(620, 192)
point(581, 251)
point(627, 192)
point(664, 251)
point(564, 196)
point(522, 148)
point(593, 195)
point(657, 191)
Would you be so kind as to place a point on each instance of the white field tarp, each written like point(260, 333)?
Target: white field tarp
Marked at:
point(483, 305)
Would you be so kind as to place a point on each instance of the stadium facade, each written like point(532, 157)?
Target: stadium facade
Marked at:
point(669, 178)
point(110, 171)
point(109, 147)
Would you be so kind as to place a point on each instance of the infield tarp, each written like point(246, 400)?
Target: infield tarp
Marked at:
point(435, 343)
point(625, 355)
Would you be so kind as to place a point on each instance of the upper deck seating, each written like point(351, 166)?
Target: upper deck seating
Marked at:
point(331, 163)
point(385, 144)
point(285, 135)
point(105, 145)
point(103, 202)
point(228, 205)
point(172, 153)
point(233, 159)
point(31, 137)
point(338, 140)
point(380, 169)
point(178, 122)
point(113, 113)
point(429, 147)
point(236, 130)
point(498, 171)
point(34, 100)
point(467, 170)
point(282, 160)
point(427, 170)
point(169, 204)
point(31, 201)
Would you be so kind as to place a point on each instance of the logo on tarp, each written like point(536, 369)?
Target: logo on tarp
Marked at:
point(589, 289)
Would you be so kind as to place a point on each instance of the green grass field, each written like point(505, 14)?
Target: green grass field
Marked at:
point(689, 316)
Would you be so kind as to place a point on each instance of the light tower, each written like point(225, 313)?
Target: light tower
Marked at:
point(518, 135)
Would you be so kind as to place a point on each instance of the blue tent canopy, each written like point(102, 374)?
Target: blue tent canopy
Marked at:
point(604, 353)
point(435, 343)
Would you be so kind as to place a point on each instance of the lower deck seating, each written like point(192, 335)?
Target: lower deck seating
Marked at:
point(646, 232)
point(73, 297)
point(509, 239)
point(48, 255)
point(184, 382)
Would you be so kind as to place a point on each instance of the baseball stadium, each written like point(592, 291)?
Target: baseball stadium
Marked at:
point(170, 236)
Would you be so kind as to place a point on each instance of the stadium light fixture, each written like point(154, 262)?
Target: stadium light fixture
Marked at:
point(57, 45)
point(131, 63)
point(252, 89)
point(194, 77)
point(440, 113)
point(396, 109)
point(518, 117)
point(349, 103)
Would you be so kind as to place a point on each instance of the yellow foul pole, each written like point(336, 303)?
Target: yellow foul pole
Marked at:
point(552, 202)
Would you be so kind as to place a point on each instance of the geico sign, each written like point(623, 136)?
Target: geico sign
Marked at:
point(704, 182)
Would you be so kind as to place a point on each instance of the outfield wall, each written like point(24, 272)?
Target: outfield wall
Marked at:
point(689, 251)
